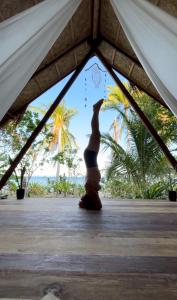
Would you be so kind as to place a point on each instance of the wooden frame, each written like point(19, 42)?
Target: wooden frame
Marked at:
point(40, 126)
point(140, 113)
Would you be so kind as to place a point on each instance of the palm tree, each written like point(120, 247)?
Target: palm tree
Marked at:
point(59, 123)
point(140, 162)
point(117, 98)
point(115, 128)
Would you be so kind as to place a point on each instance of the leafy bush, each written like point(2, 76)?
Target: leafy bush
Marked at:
point(127, 190)
point(156, 190)
point(36, 189)
point(63, 187)
point(118, 188)
point(79, 190)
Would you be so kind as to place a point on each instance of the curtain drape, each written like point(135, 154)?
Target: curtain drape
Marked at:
point(25, 40)
point(152, 34)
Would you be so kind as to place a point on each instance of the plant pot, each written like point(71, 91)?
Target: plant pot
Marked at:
point(20, 193)
point(172, 195)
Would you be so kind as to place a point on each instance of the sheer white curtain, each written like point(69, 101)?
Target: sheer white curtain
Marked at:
point(153, 36)
point(25, 39)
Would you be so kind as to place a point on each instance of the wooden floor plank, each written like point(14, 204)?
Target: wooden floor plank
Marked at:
point(93, 264)
point(71, 245)
point(89, 220)
point(114, 287)
point(128, 251)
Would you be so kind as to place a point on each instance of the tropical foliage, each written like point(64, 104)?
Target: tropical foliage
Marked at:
point(14, 136)
point(140, 164)
point(59, 128)
point(55, 144)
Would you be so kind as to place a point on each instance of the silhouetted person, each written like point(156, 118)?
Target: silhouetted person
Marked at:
point(91, 198)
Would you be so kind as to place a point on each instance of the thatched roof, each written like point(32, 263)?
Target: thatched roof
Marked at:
point(94, 19)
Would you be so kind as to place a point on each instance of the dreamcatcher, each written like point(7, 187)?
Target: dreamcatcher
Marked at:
point(98, 76)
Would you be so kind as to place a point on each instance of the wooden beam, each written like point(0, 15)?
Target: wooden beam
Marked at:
point(140, 113)
point(40, 126)
point(96, 6)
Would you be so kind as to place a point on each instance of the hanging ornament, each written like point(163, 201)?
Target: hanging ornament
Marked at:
point(105, 84)
point(96, 72)
point(85, 90)
point(96, 75)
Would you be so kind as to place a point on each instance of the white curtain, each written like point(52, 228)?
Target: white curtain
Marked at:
point(25, 40)
point(152, 34)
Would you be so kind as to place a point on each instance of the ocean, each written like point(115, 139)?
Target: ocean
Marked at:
point(44, 179)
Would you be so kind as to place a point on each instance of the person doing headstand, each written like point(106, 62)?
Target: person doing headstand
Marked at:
point(91, 198)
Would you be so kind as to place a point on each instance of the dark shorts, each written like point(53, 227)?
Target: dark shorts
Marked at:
point(90, 158)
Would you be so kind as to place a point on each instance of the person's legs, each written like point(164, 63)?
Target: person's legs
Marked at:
point(94, 141)
point(91, 198)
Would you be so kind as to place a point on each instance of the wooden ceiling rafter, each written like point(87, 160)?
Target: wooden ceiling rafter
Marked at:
point(149, 84)
point(60, 56)
point(1, 17)
point(121, 51)
point(157, 2)
point(96, 12)
point(37, 82)
point(72, 35)
point(131, 69)
point(55, 64)
point(58, 70)
point(116, 39)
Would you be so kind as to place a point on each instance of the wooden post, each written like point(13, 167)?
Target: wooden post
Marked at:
point(142, 116)
point(40, 126)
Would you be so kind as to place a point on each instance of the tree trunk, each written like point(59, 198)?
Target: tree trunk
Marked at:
point(58, 171)
point(59, 149)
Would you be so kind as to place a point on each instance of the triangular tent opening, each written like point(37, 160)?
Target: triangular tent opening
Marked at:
point(94, 27)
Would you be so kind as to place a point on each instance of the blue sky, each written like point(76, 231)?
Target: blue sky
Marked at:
point(75, 98)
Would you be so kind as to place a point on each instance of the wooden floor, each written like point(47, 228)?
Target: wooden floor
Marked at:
point(128, 251)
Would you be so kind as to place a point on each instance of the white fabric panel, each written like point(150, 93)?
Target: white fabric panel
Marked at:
point(153, 36)
point(25, 40)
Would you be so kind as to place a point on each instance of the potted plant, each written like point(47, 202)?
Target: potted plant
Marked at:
point(20, 192)
point(172, 191)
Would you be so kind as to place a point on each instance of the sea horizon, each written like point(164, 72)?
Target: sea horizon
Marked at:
point(44, 179)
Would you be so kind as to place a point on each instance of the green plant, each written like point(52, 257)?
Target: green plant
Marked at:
point(156, 190)
point(78, 190)
point(36, 189)
point(19, 179)
point(59, 127)
point(116, 187)
point(14, 136)
point(63, 187)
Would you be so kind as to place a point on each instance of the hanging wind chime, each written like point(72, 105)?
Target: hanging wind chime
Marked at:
point(97, 78)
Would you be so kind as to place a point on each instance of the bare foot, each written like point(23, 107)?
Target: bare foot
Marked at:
point(81, 204)
point(97, 106)
point(91, 203)
point(93, 207)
